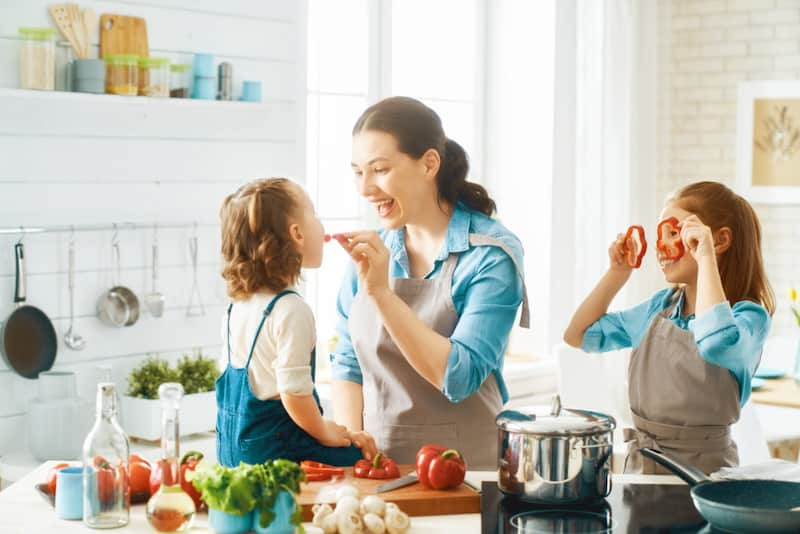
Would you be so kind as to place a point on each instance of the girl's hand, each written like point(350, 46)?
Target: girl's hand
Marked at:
point(618, 256)
point(697, 238)
point(371, 257)
point(365, 442)
point(335, 435)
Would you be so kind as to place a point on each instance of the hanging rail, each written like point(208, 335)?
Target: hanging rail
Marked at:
point(21, 230)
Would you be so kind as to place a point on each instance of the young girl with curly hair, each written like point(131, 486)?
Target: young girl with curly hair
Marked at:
point(267, 406)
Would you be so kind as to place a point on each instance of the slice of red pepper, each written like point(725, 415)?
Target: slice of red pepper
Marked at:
point(380, 467)
point(316, 471)
point(670, 245)
point(635, 260)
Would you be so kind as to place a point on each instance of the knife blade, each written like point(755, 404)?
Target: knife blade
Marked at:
point(407, 480)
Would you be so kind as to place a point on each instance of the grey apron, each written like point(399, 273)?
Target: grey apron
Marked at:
point(402, 410)
point(680, 403)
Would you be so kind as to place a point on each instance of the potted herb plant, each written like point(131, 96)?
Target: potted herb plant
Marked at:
point(141, 409)
point(252, 497)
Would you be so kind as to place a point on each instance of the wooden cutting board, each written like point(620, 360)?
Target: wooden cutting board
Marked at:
point(123, 35)
point(415, 500)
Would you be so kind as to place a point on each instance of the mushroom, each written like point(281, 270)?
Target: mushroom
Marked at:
point(329, 524)
point(345, 490)
point(347, 505)
point(321, 511)
point(391, 507)
point(397, 522)
point(372, 504)
point(374, 523)
point(349, 523)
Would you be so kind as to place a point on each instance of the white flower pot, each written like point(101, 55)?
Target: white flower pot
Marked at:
point(141, 418)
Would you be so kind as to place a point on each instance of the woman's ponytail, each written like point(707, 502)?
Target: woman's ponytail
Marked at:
point(453, 185)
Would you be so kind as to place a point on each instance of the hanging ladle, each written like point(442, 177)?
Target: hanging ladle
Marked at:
point(155, 300)
point(73, 340)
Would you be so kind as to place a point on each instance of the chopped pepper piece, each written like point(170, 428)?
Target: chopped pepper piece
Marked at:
point(635, 254)
point(316, 471)
point(379, 468)
point(669, 239)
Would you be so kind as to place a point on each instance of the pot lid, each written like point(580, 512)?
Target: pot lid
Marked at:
point(554, 421)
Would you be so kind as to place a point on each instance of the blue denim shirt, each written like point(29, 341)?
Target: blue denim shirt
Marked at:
point(487, 290)
point(729, 337)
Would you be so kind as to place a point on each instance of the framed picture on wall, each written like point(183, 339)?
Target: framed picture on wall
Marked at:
point(768, 141)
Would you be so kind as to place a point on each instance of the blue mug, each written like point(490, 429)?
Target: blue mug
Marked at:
point(225, 523)
point(69, 493)
point(284, 508)
point(251, 91)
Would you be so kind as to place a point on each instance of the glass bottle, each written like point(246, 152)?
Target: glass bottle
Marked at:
point(106, 501)
point(170, 509)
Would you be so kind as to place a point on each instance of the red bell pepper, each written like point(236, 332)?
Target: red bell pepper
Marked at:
point(162, 472)
point(316, 471)
point(106, 477)
point(440, 468)
point(634, 255)
point(380, 467)
point(669, 239)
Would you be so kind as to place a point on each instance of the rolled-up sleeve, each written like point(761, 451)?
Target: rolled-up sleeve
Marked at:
point(295, 336)
point(344, 364)
point(479, 341)
point(623, 329)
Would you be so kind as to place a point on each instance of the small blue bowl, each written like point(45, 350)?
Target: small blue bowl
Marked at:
point(224, 523)
point(284, 508)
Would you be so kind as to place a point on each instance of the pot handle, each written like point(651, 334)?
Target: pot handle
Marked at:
point(690, 474)
point(19, 284)
point(592, 446)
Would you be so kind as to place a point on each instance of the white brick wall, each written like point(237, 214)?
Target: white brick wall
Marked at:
point(706, 48)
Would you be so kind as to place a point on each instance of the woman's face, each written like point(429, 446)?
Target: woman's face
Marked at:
point(393, 182)
point(684, 269)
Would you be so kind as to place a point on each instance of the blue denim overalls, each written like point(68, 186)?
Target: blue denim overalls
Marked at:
point(252, 430)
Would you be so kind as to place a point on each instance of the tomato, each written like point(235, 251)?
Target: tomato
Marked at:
point(139, 474)
point(105, 479)
point(51, 478)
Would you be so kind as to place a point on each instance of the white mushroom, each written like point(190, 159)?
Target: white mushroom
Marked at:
point(347, 489)
point(397, 522)
point(372, 504)
point(347, 505)
point(374, 523)
point(329, 524)
point(321, 511)
point(349, 523)
point(391, 507)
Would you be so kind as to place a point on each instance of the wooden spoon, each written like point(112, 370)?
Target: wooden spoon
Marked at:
point(61, 17)
point(90, 24)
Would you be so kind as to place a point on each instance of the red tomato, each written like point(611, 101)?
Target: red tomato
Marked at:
point(139, 474)
point(51, 478)
point(105, 479)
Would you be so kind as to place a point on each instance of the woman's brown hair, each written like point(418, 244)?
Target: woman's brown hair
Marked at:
point(741, 267)
point(417, 129)
point(257, 252)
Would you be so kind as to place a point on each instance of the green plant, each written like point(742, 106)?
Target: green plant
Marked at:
point(144, 380)
point(198, 374)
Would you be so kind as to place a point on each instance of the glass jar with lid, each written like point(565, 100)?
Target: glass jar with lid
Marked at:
point(180, 83)
point(37, 59)
point(153, 76)
point(122, 74)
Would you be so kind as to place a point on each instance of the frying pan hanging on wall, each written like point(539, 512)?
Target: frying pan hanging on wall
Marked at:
point(29, 339)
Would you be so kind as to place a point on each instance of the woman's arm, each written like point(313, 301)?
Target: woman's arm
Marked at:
point(596, 303)
point(348, 404)
point(700, 244)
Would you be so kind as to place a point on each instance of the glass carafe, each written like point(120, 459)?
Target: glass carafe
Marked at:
point(106, 501)
point(170, 509)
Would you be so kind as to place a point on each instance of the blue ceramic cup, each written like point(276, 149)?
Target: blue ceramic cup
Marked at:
point(251, 91)
point(224, 523)
point(69, 493)
point(203, 66)
point(283, 508)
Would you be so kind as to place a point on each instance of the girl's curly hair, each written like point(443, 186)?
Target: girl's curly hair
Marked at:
point(257, 252)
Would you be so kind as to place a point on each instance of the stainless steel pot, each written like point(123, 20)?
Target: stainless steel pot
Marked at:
point(119, 306)
point(555, 455)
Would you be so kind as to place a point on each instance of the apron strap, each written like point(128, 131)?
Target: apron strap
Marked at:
point(230, 307)
point(485, 240)
point(676, 298)
point(267, 311)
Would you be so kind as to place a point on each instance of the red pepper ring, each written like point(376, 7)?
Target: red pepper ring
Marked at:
point(672, 247)
point(633, 259)
point(316, 471)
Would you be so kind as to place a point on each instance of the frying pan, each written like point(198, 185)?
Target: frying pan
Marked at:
point(743, 506)
point(29, 339)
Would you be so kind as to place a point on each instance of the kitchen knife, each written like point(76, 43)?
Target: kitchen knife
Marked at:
point(407, 480)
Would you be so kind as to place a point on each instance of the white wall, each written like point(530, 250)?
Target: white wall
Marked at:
point(706, 48)
point(85, 159)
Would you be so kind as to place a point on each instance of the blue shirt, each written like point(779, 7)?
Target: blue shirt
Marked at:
point(728, 337)
point(487, 290)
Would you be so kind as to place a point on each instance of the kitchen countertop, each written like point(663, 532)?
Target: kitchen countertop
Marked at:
point(24, 511)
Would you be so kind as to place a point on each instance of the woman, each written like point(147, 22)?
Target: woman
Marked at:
point(426, 310)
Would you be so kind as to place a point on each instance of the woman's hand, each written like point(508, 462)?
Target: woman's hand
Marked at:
point(697, 237)
point(371, 258)
point(335, 435)
point(365, 442)
point(617, 255)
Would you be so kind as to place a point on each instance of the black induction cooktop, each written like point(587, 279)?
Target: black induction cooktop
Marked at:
point(631, 508)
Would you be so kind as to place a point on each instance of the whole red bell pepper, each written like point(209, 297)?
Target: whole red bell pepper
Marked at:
point(106, 477)
point(162, 471)
point(669, 239)
point(440, 468)
point(634, 259)
point(380, 467)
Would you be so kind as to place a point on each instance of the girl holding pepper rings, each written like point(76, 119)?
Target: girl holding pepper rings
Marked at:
point(697, 344)
point(427, 306)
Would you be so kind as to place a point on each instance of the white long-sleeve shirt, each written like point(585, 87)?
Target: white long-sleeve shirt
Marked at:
point(281, 360)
